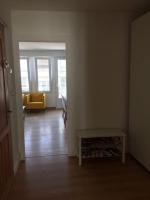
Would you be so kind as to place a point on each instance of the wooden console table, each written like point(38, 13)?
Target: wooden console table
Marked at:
point(100, 133)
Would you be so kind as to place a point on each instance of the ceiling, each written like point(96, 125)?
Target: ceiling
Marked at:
point(42, 46)
point(116, 5)
point(79, 5)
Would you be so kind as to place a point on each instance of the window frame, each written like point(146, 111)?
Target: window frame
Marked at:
point(29, 82)
point(36, 68)
point(57, 59)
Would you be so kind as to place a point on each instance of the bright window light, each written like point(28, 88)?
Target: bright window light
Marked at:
point(24, 75)
point(43, 75)
point(61, 78)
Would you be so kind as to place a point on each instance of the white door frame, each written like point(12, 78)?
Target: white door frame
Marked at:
point(20, 123)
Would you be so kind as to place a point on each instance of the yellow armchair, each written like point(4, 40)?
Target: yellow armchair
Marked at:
point(23, 99)
point(35, 101)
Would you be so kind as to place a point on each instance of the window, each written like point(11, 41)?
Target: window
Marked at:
point(43, 74)
point(61, 77)
point(24, 74)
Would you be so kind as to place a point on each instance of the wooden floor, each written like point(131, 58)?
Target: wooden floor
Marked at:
point(45, 134)
point(52, 176)
point(60, 178)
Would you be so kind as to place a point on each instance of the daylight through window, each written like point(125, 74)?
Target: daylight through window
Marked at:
point(61, 77)
point(43, 74)
point(24, 75)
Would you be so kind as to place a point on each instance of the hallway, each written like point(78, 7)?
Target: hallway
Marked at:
point(45, 134)
point(60, 178)
point(49, 174)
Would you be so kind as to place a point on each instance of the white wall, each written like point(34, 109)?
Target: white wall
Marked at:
point(105, 93)
point(97, 61)
point(52, 95)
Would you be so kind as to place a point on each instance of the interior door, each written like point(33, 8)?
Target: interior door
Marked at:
point(6, 167)
point(139, 138)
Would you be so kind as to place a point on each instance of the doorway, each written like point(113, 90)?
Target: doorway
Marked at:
point(43, 72)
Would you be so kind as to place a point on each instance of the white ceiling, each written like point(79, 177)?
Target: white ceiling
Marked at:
point(117, 5)
point(42, 46)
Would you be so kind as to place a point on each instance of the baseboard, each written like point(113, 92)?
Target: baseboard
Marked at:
point(47, 108)
point(50, 108)
point(140, 162)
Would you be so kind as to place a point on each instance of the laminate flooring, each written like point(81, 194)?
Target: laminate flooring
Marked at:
point(60, 178)
point(54, 176)
point(45, 133)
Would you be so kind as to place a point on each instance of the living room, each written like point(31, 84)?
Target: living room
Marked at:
point(43, 84)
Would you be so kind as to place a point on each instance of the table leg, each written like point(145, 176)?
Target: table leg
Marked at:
point(80, 152)
point(123, 149)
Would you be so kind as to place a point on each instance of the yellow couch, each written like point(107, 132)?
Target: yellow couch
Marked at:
point(35, 100)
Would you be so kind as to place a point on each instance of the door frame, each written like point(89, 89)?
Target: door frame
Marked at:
point(6, 136)
point(20, 123)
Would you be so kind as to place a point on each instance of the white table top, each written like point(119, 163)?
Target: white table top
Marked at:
point(104, 132)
